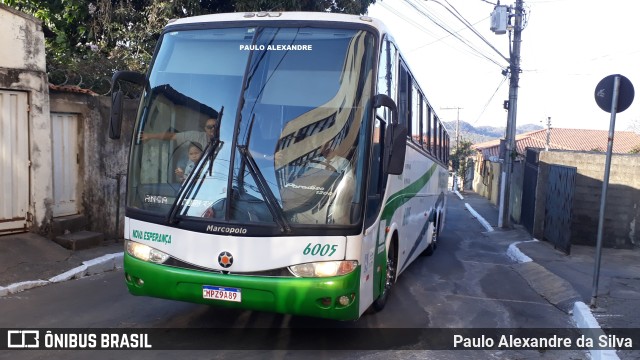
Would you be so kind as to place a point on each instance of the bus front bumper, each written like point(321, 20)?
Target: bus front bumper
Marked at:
point(317, 297)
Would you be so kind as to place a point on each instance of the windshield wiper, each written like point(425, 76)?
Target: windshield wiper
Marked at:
point(261, 182)
point(209, 154)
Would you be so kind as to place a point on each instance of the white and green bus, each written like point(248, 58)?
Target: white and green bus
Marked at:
point(317, 167)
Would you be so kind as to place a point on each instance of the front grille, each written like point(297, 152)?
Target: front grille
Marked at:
point(281, 272)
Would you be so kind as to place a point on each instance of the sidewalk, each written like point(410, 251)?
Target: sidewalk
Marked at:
point(28, 260)
point(567, 280)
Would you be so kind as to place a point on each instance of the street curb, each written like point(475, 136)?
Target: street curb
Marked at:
point(25, 285)
point(482, 221)
point(95, 266)
point(560, 294)
point(557, 291)
point(589, 326)
point(514, 253)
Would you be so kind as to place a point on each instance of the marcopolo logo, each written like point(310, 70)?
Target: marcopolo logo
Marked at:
point(227, 229)
point(225, 259)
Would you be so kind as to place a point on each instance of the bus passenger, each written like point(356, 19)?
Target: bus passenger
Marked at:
point(195, 151)
point(211, 131)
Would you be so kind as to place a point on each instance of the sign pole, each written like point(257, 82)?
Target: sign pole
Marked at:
point(605, 185)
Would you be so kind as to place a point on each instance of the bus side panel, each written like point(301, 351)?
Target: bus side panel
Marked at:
point(413, 228)
point(365, 245)
point(411, 199)
point(420, 192)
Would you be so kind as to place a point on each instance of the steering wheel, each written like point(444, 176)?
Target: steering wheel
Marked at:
point(177, 154)
point(325, 163)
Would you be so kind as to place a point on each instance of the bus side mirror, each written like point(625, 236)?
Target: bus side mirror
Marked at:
point(115, 119)
point(398, 149)
point(395, 141)
point(386, 101)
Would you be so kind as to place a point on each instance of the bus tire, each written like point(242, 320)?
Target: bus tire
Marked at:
point(390, 279)
point(434, 239)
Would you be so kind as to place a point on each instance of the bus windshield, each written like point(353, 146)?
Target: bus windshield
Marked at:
point(255, 125)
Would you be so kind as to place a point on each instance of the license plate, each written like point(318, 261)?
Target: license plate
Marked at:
point(221, 293)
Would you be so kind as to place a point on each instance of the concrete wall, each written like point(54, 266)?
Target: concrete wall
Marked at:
point(486, 180)
point(22, 68)
point(103, 162)
point(623, 197)
point(469, 175)
point(22, 40)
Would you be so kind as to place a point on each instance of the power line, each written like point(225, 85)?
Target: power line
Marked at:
point(446, 36)
point(444, 27)
point(464, 21)
point(438, 22)
point(404, 18)
point(468, 24)
point(490, 99)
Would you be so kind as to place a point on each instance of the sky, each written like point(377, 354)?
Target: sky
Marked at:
point(567, 47)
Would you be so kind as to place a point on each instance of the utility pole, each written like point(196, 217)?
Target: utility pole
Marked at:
point(504, 218)
point(455, 176)
point(457, 124)
point(546, 147)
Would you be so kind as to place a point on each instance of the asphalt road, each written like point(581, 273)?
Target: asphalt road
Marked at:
point(467, 283)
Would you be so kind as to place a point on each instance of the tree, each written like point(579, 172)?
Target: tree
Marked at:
point(87, 40)
point(459, 156)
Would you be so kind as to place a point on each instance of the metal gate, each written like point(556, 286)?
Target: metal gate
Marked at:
point(14, 161)
point(559, 206)
point(65, 163)
point(529, 184)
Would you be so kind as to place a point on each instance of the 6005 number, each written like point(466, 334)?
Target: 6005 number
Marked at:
point(319, 249)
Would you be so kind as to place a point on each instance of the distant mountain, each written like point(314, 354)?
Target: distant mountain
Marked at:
point(481, 134)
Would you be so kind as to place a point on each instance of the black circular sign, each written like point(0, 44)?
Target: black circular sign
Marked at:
point(604, 93)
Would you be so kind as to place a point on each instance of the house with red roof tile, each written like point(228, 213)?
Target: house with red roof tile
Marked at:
point(582, 150)
point(486, 173)
point(624, 142)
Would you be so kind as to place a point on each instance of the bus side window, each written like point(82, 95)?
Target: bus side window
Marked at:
point(426, 126)
point(403, 97)
point(416, 122)
point(387, 84)
point(374, 192)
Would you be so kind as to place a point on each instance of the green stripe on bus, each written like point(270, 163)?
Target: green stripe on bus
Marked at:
point(393, 203)
point(399, 198)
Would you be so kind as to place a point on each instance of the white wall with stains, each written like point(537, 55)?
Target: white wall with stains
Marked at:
point(23, 68)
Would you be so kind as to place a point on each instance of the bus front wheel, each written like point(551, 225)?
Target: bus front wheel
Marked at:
point(390, 279)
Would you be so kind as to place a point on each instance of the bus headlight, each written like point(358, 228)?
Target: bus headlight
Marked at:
point(323, 268)
point(146, 253)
